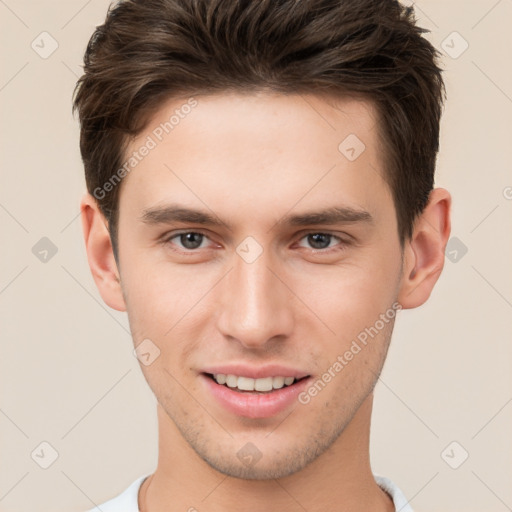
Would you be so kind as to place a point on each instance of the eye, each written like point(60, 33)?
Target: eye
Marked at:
point(188, 240)
point(321, 241)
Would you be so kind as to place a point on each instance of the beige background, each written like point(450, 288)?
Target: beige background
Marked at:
point(68, 376)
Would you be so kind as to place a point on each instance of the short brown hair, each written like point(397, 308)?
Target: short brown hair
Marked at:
point(149, 51)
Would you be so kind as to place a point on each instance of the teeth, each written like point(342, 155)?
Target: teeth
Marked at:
point(265, 384)
point(277, 382)
point(220, 378)
point(245, 384)
point(248, 384)
point(231, 381)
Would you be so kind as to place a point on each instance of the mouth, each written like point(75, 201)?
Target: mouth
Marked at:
point(261, 386)
point(262, 397)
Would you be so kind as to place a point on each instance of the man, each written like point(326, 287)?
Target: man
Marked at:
point(261, 204)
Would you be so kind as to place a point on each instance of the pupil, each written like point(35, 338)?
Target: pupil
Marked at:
point(191, 240)
point(319, 240)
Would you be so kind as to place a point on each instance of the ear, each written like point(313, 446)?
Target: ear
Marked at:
point(424, 252)
point(100, 254)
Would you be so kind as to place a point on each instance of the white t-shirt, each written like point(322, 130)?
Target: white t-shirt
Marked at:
point(127, 501)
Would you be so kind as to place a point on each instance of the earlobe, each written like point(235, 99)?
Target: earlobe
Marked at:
point(100, 254)
point(424, 252)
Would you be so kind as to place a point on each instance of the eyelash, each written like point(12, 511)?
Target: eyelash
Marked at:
point(340, 247)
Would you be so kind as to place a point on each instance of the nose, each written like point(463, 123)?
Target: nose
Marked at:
point(255, 304)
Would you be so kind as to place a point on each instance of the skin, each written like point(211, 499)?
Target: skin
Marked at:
point(251, 160)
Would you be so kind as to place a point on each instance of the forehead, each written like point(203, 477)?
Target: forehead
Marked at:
point(258, 153)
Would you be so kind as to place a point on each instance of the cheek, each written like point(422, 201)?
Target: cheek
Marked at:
point(349, 298)
point(157, 286)
point(169, 305)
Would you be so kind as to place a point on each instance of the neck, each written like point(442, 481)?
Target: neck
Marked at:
point(339, 479)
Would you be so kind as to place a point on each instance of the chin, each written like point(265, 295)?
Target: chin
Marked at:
point(259, 470)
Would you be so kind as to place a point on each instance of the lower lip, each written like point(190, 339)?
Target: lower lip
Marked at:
point(255, 405)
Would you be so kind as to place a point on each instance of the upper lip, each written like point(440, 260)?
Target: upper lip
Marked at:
point(256, 372)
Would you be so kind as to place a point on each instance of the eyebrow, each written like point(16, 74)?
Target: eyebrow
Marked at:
point(333, 215)
point(174, 213)
point(168, 214)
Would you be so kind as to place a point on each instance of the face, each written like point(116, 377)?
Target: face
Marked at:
point(257, 242)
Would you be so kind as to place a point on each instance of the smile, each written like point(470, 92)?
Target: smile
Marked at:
point(249, 397)
point(247, 384)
